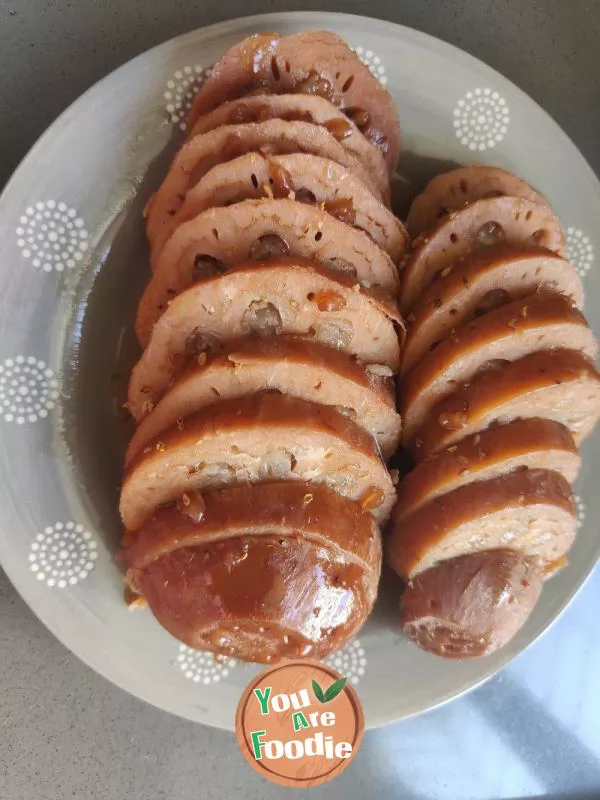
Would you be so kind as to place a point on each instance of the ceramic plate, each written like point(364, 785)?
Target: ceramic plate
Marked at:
point(73, 263)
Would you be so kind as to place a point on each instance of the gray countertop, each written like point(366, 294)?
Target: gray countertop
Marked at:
point(532, 731)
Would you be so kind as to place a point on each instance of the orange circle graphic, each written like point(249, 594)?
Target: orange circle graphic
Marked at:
point(299, 724)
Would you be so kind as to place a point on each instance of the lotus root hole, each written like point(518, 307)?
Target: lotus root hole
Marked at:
point(341, 265)
point(539, 236)
point(348, 83)
point(262, 318)
point(254, 180)
point(490, 233)
point(205, 265)
point(304, 195)
point(347, 411)
point(275, 68)
point(453, 238)
point(318, 236)
point(528, 215)
point(277, 464)
point(201, 341)
point(268, 246)
point(359, 116)
point(491, 300)
point(338, 333)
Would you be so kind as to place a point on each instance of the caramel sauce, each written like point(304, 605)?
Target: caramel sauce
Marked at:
point(255, 596)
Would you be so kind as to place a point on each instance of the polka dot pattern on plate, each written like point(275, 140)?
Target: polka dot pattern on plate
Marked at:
point(28, 390)
point(579, 504)
point(63, 554)
point(181, 90)
point(52, 236)
point(203, 667)
point(373, 62)
point(481, 119)
point(351, 661)
point(580, 251)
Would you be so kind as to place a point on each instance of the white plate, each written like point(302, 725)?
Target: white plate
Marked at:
point(73, 261)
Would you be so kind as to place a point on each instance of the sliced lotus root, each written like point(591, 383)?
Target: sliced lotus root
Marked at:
point(560, 385)
point(309, 179)
point(311, 62)
point(511, 332)
point(460, 187)
point(223, 144)
point(485, 223)
point(482, 281)
point(282, 297)
point(301, 108)
point(257, 439)
point(260, 572)
point(530, 511)
point(259, 230)
point(297, 367)
point(524, 443)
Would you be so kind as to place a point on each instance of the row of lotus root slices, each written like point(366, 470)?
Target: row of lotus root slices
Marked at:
point(498, 389)
point(256, 481)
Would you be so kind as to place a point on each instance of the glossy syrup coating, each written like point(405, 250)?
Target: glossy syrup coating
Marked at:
point(258, 598)
point(261, 573)
point(471, 605)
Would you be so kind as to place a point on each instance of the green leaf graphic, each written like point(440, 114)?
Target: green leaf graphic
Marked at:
point(335, 689)
point(318, 692)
